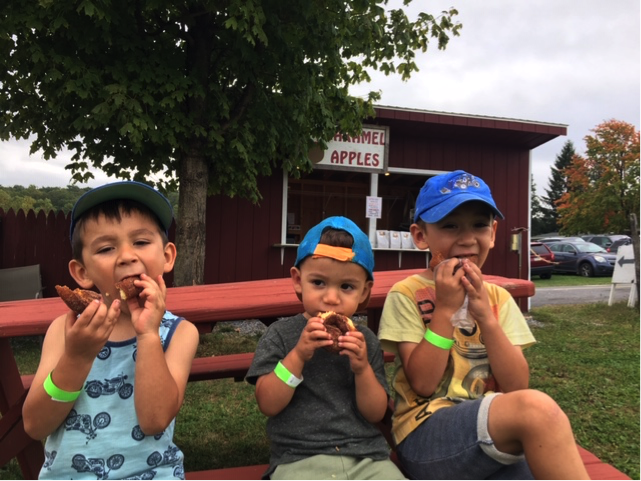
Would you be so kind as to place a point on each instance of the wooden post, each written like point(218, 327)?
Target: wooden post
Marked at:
point(636, 248)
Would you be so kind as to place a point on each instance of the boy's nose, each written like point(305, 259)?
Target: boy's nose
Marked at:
point(331, 296)
point(127, 255)
point(467, 237)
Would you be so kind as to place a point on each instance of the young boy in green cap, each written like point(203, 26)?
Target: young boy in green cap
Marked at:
point(112, 379)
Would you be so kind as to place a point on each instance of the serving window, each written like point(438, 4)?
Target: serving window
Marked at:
point(325, 193)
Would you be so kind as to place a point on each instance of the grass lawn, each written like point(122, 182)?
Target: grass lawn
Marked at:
point(587, 358)
point(563, 280)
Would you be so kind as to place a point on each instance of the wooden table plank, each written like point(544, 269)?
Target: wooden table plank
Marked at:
point(212, 303)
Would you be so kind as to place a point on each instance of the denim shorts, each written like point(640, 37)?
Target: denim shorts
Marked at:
point(454, 443)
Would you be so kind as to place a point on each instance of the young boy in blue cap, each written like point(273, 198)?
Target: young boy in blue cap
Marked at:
point(112, 379)
point(450, 421)
point(323, 406)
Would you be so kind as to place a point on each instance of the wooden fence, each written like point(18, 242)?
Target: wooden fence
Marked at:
point(28, 239)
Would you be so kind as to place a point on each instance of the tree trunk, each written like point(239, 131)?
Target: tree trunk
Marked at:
point(636, 249)
point(193, 176)
point(193, 171)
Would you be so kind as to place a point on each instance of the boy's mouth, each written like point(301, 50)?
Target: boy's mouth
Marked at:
point(468, 257)
point(135, 276)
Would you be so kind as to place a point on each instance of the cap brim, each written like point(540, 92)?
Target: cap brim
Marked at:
point(438, 212)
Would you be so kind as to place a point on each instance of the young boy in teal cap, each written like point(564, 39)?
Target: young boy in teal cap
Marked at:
point(323, 406)
point(450, 421)
point(112, 379)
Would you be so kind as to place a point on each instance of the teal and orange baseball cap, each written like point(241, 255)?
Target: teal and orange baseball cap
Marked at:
point(125, 190)
point(443, 193)
point(361, 252)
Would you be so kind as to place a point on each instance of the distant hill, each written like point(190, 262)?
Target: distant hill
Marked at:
point(49, 198)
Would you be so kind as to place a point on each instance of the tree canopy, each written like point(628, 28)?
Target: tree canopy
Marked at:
point(603, 185)
point(206, 95)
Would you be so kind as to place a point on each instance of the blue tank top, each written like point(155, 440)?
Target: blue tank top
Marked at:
point(101, 438)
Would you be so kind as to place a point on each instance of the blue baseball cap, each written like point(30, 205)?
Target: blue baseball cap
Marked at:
point(125, 190)
point(443, 193)
point(361, 252)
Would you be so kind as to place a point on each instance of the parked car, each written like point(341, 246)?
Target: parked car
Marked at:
point(551, 240)
point(605, 241)
point(541, 260)
point(582, 258)
point(614, 248)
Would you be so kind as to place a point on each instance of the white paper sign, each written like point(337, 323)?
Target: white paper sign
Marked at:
point(373, 207)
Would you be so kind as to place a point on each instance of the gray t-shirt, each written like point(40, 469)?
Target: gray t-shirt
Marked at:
point(322, 417)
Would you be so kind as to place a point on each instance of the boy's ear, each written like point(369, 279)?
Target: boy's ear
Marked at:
point(418, 236)
point(495, 224)
point(79, 274)
point(297, 280)
point(364, 300)
point(170, 256)
point(367, 291)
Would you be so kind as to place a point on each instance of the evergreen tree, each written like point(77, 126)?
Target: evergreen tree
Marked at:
point(557, 186)
point(537, 212)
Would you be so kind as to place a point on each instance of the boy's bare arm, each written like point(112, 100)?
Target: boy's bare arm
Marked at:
point(68, 352)
point(161, 377)
point(509, 366)
point(371, 398)
point(272, 394)
point(424, 364)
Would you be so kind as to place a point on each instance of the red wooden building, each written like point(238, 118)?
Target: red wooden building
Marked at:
point(398, 151)
point(247, 242)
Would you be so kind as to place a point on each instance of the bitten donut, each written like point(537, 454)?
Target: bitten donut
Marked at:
point(436, 259)
point(78, 299)
point(336, 325)
point(127, 289)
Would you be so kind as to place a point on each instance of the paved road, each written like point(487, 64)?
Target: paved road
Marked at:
point(578, 295)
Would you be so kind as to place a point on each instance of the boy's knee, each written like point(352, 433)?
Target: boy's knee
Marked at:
point(536, 407)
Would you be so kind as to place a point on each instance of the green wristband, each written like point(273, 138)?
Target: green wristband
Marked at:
point(58, 394)
point(438, 341)
point(287, 377)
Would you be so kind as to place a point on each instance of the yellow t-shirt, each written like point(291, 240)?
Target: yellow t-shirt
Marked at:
point(407, 313)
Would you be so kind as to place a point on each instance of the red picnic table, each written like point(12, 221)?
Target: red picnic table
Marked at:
point(203, 305)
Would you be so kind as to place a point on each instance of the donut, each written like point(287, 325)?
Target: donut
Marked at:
point(127, 289)
point(78, 299)
point(336, 325)
point(436, 259)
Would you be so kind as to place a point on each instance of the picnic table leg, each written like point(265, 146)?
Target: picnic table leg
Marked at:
point(13, 439)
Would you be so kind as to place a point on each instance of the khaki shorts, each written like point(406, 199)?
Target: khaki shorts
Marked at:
point(324, 466)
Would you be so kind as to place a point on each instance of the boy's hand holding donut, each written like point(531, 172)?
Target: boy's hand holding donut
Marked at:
point(148, 307)
point(88, 328)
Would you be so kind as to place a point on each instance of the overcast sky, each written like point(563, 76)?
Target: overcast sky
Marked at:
point(554, 61)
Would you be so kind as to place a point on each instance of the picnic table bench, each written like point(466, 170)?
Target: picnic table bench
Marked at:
point(205, 306)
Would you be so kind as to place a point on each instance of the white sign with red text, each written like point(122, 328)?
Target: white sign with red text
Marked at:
point(367, 152)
